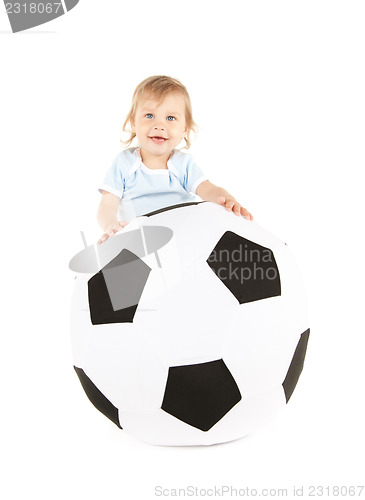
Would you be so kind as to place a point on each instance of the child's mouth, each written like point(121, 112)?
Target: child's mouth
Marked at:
point(158, 140)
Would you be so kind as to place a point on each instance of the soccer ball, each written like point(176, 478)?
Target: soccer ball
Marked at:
point(189, 326)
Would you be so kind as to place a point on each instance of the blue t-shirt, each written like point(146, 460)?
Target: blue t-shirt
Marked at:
point(143, 190)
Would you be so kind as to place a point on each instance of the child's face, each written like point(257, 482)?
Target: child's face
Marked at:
point(160, 127)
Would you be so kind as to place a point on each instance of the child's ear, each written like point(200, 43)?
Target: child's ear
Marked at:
point(133, 124)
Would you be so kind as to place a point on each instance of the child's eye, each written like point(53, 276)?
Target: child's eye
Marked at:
point(149, 115)
point(171, 118)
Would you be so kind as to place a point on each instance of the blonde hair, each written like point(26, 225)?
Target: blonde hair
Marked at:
point(159, 86)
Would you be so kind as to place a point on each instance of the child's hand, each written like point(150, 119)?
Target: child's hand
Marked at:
point(111, 230)
point(232, 205)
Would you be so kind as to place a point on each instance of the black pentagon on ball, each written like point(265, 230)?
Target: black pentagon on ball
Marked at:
point(114, 292)
point(200, 394)
point(246, 268)
point(97, 397)
point(296, 365)
point(173, 207)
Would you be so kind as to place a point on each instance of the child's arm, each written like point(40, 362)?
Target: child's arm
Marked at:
point(210, 192)
point(107, 216)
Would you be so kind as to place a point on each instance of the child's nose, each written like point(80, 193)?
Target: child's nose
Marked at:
point(159, 124)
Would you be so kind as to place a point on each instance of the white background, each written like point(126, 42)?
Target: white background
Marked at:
point(278, 90)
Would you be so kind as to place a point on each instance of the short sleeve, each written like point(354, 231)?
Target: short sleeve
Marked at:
point(113, 180)
point(193, 175)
